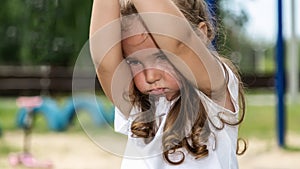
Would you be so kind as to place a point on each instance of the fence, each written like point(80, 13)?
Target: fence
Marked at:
point(34, 80)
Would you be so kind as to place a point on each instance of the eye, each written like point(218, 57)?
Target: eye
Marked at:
point(132, 62)
point(162, 56)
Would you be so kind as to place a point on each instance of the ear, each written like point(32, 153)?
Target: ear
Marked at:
point(203, 28)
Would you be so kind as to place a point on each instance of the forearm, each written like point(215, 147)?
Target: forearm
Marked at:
point(105, 35)
point(106, 51)
point(103, 12)
point(159, 13)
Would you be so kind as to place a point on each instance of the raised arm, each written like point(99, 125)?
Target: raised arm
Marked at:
point(105, 47)
point(103, 12)
point(182, 41)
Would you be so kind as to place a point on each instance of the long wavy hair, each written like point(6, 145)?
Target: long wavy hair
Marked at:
point(187, 120)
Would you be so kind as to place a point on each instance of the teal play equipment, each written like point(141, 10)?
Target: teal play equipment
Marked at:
point(57, 117)
point(100, 111)
point(60, 117)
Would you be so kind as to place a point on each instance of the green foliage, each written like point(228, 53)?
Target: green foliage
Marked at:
point(230, 28)
point(43, 31)
point(251, 56)
point(232, 41)
point(52, 32)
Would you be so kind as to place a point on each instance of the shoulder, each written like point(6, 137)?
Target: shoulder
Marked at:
point(232, 86)
point(121, 123)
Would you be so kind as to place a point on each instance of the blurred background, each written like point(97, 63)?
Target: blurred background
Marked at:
point(41, 40)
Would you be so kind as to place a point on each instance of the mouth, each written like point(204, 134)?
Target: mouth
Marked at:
point(157, 91)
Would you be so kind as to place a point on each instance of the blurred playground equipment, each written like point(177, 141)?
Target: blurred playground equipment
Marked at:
point(27, 105)
point(60, 117)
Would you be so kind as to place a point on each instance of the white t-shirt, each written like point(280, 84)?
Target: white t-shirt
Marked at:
point(221, 144)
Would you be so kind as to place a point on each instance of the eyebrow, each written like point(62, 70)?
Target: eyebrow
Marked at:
point(135, 56)
point(130, 59)
point(159, 53)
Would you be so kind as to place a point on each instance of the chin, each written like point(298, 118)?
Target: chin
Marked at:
point(171, 97)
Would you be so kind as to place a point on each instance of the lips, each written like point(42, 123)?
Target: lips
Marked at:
point(157, 91)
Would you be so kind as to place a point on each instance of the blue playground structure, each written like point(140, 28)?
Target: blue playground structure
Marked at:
point(60, 117)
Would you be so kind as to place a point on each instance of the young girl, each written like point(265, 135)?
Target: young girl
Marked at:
point(175, 98)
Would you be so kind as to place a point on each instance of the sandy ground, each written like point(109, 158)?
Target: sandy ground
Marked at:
point(77, 151)
point(267, 155)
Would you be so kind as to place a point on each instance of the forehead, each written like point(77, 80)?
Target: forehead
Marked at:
point(135, 36)
point(132, 25)
point(138, 43)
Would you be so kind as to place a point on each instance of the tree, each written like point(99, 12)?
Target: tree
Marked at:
point(10, 18)
point(48, 32)
point(52, 32)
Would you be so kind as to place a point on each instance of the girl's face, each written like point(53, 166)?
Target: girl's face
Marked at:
point(152, 72)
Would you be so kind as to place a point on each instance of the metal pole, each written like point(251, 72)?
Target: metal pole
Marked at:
point(212, 4)
point(293, 58)
point(280, 79)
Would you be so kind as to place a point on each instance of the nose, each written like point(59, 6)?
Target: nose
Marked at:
point(152, 75)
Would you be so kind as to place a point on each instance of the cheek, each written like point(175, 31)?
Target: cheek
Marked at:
point(172, 77)
point(139, 81)
point(135, 70)
point(173, 82)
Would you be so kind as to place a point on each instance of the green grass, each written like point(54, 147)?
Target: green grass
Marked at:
point(293, 118)
point(6, 149)
point(8, 110)
point(259, 120)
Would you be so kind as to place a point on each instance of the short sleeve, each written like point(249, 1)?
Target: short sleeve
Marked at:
point(121, 124)
point(233, 87)
point(216, 111)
